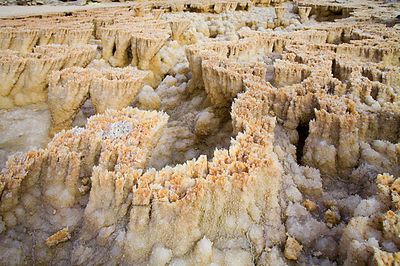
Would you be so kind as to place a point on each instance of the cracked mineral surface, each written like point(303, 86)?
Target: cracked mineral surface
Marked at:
point(222, 132)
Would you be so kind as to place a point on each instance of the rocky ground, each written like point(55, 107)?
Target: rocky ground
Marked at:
point(199, 133)
point(44, 2)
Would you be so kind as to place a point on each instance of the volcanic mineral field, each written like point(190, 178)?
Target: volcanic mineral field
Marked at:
point(200, 132)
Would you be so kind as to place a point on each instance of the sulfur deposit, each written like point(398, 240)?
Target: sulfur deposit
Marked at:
point(260, 132)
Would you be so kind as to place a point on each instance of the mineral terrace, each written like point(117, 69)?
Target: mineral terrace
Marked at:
point(201, 132)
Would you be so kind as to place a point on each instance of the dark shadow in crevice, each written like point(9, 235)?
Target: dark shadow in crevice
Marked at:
point(331, 13)
point(303, 131)
point(129, 56)
point(114, 49)
point(335, 73)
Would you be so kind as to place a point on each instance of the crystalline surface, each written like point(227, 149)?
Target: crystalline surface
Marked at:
point(261, 132)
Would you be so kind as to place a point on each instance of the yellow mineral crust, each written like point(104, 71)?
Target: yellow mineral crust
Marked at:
point(21, 40)
point(58, 237)
point(26, 74)
point(108, 89)
point(143, 43)
point(68, 90)
point(168, 191)
point(385, 258)
point(76, 56)
point(147, 46)
point(71, 155)
point(178, 27)
point(25, 37)
point(125, 39)
point(292, 249)
point(115, 89)
point(305, 94)
point(197, 185)
point(203, 6)
point(224, 80)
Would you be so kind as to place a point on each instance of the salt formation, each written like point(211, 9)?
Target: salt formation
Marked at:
point(227, 133)
point(115, 89)
point(108, 89)
point(25, 74)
